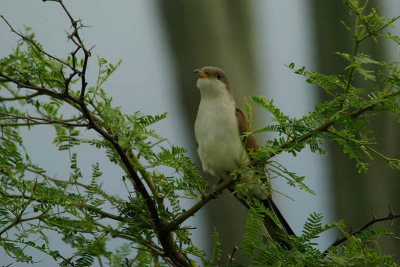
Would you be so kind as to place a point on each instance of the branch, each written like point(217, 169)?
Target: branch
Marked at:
point(63, 182)
point(81, 107)
point(68, 98)
point(100, 191)
point(209, 196)
point(374, 220)
point(67, 261)
point(18, 97)
point(19, 219)
point(4, 81)
point(165, 237)
point(38, 120)
point(323, 128)
point(351, 73)
point(147, 178)
point(80, 45)
point(32, 43)
point(88, 207)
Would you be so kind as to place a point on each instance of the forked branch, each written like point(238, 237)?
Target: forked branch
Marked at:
point(164, 234)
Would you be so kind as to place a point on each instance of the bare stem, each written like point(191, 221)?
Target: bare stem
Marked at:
point(38, 120)
point(374, 220)
point(32, 43)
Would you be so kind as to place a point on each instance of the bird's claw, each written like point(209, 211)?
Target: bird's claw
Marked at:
point(213, 192)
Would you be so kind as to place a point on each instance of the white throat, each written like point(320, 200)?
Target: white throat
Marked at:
point(214, 89)
point(217, 130)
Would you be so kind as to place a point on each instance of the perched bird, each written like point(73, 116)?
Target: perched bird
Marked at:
point(219, 125)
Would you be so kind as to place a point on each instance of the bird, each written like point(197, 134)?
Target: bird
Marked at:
point(218, 129)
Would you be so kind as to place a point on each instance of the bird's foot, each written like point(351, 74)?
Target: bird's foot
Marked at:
point(213, 192)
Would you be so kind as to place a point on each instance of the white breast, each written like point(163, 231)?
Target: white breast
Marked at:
point(217, 131)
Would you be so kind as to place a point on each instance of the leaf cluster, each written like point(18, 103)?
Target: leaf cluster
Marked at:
point(356, 252)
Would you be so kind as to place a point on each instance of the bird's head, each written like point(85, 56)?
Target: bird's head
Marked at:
point(213, 82)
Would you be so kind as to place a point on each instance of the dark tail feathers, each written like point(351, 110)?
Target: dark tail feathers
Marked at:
point(272, 228)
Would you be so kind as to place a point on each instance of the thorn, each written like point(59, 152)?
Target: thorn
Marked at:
point(391, 212)
point(89, 51)
point(231, 258)
point(373, 214)
point(62, 72)
point(68, 35)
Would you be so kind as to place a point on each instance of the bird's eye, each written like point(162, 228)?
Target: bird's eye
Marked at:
point(218, 75)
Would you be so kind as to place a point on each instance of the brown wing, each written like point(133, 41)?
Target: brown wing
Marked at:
point(270, 225)
point(251, 141)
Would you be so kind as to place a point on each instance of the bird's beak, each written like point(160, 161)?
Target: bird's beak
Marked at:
point(201, 73)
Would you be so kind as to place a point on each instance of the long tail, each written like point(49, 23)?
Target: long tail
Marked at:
point(272, 228)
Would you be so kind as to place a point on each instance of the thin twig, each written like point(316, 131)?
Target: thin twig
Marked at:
point(101, 192)
point(374, 220)
point(32, 43)
point(81, 205)
point(209, 196)
point(18, 218)
point(80, 44)
point(39, 120)
point(19, 97)
point(67, 261)
point(165, 235)
point(323, 128)
point(231, 259)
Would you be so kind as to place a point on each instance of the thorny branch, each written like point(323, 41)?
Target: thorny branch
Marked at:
point(164, 233)
point(374, 220)
point(33, 44)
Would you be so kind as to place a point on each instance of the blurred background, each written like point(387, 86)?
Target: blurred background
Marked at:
point(162, 42)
